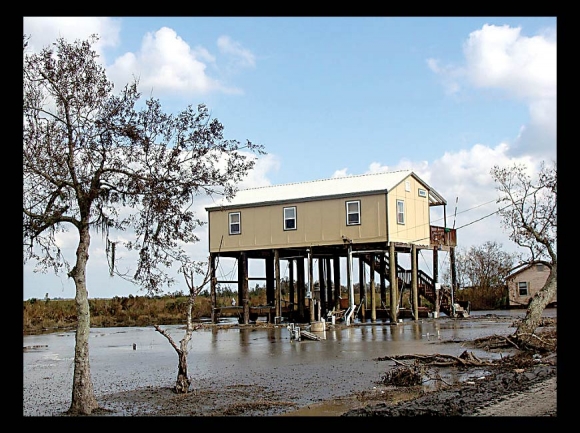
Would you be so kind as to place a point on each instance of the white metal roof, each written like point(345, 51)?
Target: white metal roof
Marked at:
point(339, 186)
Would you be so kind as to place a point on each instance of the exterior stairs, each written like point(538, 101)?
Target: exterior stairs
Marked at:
point(425, 284)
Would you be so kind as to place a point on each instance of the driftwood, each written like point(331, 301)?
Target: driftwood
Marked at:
point(545, 341)
point(495, 342)
point(413, 374)
point(466, 359)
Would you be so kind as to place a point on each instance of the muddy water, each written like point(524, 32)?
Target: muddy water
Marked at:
point(124, 359)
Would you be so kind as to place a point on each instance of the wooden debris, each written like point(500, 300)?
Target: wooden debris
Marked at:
point(464, 360)
point(403, 376)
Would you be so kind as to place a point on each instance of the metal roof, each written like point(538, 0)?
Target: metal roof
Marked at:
point(325, 188)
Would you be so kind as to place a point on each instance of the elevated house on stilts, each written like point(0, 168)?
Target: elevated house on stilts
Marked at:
point(369, 220)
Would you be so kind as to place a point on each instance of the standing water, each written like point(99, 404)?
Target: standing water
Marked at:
point(124, 359)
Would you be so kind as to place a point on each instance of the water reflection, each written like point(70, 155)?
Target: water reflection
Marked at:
point(238, 355)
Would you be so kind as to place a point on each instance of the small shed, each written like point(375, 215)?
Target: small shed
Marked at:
point(525, 280)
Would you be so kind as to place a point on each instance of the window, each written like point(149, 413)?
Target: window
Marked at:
point(408, 186)
point(540, 267)
point(400, 212)
point(235, 223)
point(523, 288)
point(352, 213)
point(290, 218)
point(422, 192)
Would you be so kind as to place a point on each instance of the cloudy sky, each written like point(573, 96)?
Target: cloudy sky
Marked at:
point(332, 96)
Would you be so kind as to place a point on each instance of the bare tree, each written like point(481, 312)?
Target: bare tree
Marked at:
point(530, 218)
point(93, 162)
point(482, 269)
point(183, 380)
point(484, 266)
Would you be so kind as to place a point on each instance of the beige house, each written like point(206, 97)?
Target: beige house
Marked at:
point(525, 281)
point(380, 214)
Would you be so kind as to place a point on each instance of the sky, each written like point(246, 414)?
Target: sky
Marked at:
point(447, 97)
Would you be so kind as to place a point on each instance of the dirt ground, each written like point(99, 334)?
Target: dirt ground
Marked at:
point(511, 391)
point(523, 384)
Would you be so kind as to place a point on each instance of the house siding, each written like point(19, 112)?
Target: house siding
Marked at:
point(535, 279)
point(417, 220)
point(323, 222)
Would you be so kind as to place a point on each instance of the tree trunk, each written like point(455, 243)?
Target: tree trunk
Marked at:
point(183, 382)
point(83, 395)
point(536, 307)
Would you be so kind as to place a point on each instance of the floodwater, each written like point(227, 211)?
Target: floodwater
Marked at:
point(124, 359)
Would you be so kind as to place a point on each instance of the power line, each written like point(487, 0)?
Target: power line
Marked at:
point(486, 216)
point(477, 220)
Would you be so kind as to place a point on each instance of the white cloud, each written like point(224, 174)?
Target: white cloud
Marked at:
point(259, 175)
point(449, 74)
point(166, 64)
point(241, 57)
point(43, 31)
point(341, 173)
point(501, 57)
point(524, 68)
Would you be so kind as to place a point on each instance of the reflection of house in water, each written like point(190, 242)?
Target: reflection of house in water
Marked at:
point(318, 228)
point(525, 280)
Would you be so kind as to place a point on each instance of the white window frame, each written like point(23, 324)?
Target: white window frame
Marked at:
point(290, 218)
point(525, 286)
point(232, 223)
point(408, 185)
point(400, 211)
point(422, 192)
point(349, 212)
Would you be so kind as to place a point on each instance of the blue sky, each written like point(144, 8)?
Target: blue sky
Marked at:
point(448, 97)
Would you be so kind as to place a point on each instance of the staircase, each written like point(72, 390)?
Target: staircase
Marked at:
point(425, 284)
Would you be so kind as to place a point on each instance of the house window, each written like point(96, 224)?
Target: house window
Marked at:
point(408, 186)
point(400, 212)
point(235, 223)
point(290, 218)
point(540, 267)
point(523, 288)
point(422, 192)
point(352, 213)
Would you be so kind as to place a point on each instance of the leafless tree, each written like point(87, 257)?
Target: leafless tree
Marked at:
point(529, 215)
point(484, 266)
point(183, 380)
point(94, 162)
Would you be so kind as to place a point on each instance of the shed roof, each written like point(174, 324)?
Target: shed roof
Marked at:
point(525, 265)
point(326, 188)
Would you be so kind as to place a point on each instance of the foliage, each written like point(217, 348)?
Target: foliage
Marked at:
point(118, 311)
point(96, 162)
point(59, 315)
point(483, 267)
point(488, 298)
point(91, 157)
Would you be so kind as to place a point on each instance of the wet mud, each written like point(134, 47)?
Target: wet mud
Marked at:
point(295, 383)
